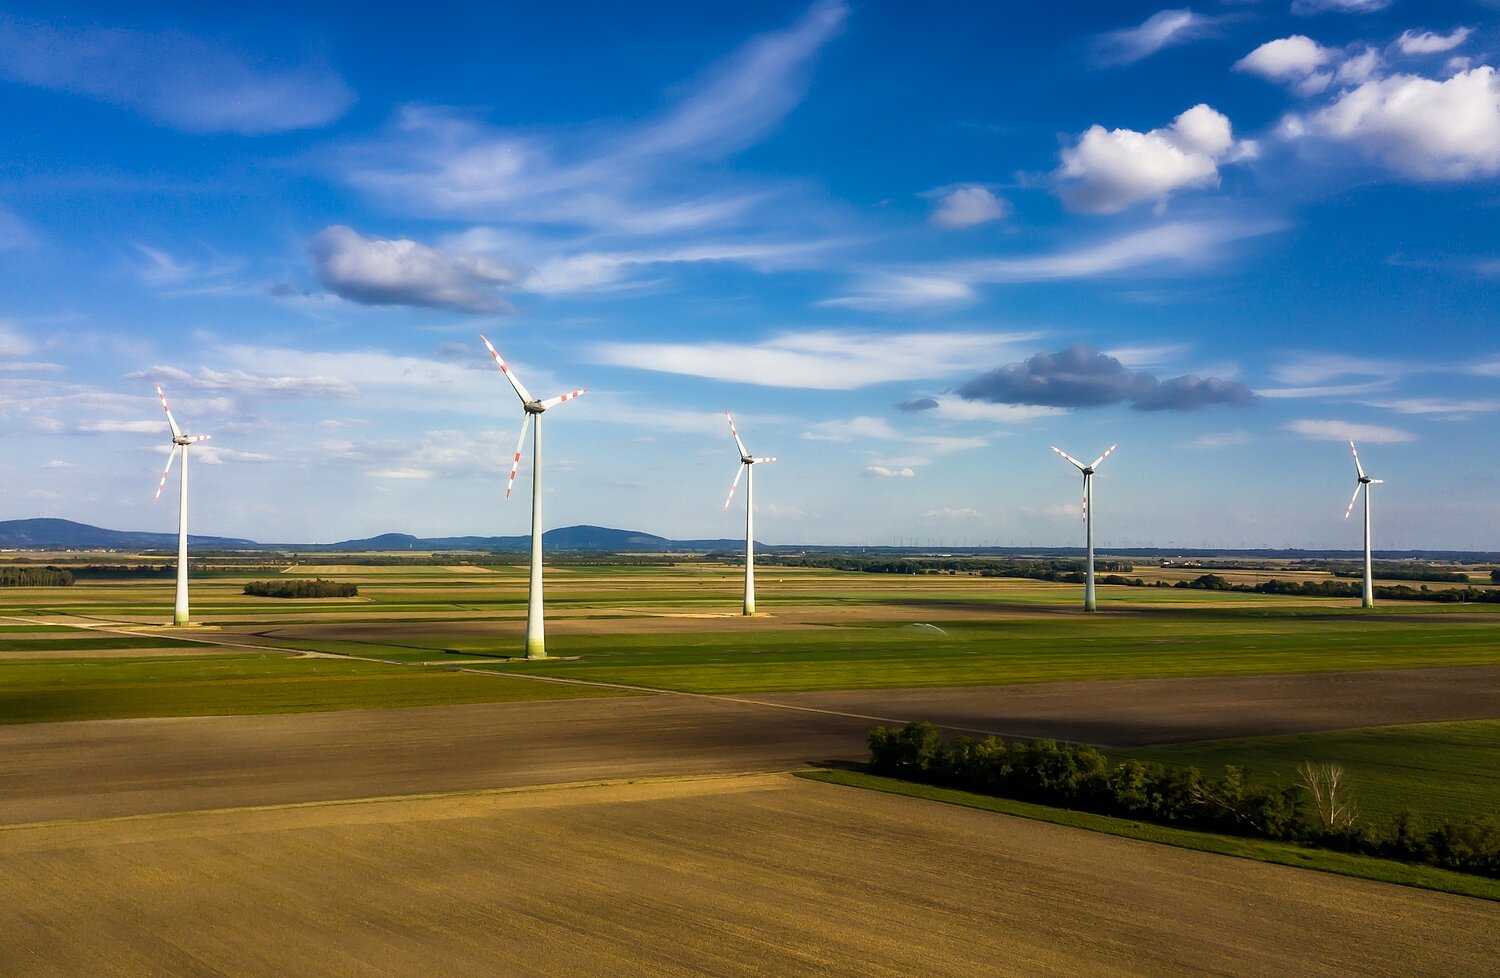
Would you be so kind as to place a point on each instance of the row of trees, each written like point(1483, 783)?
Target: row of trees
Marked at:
point(1063, 570)
point(1320, 810)
point(317, 588)
point(34, 577)
point(1346, 589)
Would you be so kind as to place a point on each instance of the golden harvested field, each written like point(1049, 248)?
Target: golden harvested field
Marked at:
point(758, 875)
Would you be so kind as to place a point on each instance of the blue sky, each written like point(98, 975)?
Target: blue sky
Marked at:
point(909, 246)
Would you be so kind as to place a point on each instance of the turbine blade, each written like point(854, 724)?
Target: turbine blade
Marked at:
point(1377, 482)
point(735, 484)
point(521, 391)
point(163, 483)
point(1084, 508)
point(733, 431)
point(770, 459)
point(1357, 467)
point(197, 437)
point(515, 463)
point(171, 422)
point(555, 401)
point(1357, 487)
point(1079, 465)
point(1101, 458)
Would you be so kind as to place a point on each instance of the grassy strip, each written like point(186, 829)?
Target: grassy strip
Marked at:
point(1444, 770)
point(1280, 853)
point(43, 692)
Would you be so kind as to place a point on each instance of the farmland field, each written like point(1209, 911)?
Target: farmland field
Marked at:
point(271, 718)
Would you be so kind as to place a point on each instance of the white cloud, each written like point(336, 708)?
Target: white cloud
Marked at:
point(626, 179)
point(1286, 59)
point(1314, 368)
point(820, 359)
point(125, 427)
point(1181, 243)
point(1426, 42)
point(1437, 406)
point(245, 383)
point(402, 473)
point(854, 428)
point(173, 78)
point(1308, 7)
point(402, 272)
point(881, 472)
point(13, 344)
point(1107, 171)
point(1427, 129)
point(953, 513)
point(1161, 30)
point(965, 206)
point(1324, 430)
point(892, 292)
point(1220, 439)
point(58, 463)
point(596, 269)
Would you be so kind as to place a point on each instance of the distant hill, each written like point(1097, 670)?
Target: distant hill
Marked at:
point(48, 534)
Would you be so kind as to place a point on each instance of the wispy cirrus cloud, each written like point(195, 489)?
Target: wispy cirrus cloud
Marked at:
point(171, 77)
point(627, 179)
point(1174, 245)
point(1164, 29)
point(818, 359)
point(1331, 430)
point(241, 382)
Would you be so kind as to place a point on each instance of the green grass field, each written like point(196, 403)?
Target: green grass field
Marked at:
point(675, 628)
point(1442, 770)
point(90, 689)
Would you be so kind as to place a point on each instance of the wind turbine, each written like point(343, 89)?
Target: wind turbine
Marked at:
point(1365, 482)
point(1088, 516)
point(747, 461)
point(179, 442)
point(536, 646)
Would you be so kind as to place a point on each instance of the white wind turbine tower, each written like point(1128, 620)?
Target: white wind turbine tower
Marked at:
point(536, 646)
point(747, 461)
point(179, 442)
point(1364, 482)
point(1088, 517)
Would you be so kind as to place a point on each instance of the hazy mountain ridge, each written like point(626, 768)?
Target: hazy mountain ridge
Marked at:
point(57, 534)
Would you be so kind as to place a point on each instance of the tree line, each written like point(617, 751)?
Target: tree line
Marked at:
point(1345, 589)
point(317, 588)
point(1066, 571)
point(1320, 811)
point(34, 577)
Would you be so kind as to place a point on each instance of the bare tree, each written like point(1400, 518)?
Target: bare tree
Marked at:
point(1332, 797)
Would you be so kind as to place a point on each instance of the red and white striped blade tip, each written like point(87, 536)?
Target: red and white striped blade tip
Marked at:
point(769, 459)
point(1352, 500)
point(735, 484)
point(515, 462)
point(735, 432)
point(1066, 456)
point(555, 401)
point(1101, 458)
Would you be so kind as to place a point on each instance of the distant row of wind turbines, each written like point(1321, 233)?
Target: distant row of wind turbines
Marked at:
point(532, 410)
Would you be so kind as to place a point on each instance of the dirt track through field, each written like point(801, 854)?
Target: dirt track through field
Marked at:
point(123, 767)
point(766, 875)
